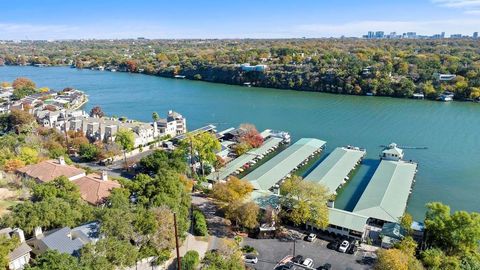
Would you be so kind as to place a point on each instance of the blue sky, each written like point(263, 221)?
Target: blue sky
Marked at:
point(67, 19)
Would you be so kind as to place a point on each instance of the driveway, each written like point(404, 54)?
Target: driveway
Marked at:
point(271, 251)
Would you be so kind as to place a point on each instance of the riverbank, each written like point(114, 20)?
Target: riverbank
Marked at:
point(233, 75)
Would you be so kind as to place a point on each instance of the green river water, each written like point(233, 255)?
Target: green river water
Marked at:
point(449, 170)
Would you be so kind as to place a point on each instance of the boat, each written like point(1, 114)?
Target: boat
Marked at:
point(179, 77)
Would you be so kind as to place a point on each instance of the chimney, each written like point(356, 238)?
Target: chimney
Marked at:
point(19, 233)
point(104, 175)
point(61, 160)
point(37, 231)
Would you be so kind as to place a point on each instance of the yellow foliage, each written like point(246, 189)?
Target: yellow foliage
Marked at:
point(12, 165)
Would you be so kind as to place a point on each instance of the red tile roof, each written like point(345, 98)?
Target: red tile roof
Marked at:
point(48, 170)
point(95, 190)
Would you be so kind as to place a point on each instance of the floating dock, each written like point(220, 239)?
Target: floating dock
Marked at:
point(249, 158)
point(387, 193)
point(280, 166)
point(334, 170)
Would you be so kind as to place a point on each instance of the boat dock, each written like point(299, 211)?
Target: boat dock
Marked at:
point(282, 165)
point(334, 170)
point(237, 165)
point(387, 193)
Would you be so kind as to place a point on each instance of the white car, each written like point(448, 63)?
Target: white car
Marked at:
point(344, 246)
point(311, 237)
point(308, 262)
point(250, 258)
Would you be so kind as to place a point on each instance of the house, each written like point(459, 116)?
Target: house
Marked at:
point(445, 77)
point(20, 256)
point(48, 170)
point(65, 240)
point(391, 233)
point(175, 124)
point(95, 188)
point(392, 152)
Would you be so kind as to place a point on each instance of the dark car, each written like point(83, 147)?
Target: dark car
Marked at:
point(352, 249)
point(326, 266)
point(367, 261)
point(333, 245)
point(298, 259)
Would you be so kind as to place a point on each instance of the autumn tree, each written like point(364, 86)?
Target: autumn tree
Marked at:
point(132, 66)
point(233, 190)
point(391, 259)
point(97, 112)
point(250, 135)
point(305, 201)
point(23, 83)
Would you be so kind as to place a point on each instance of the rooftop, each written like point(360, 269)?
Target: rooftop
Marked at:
point(93, 189)
point(346, 219)
point(386, 195)
point(48, 170)
point(333, 171)
point(274, 170)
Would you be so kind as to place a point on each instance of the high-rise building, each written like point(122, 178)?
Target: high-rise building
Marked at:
point(411, 34)
point(379, 34)
point(443, 35)
point(475, 35)
point(370, 34)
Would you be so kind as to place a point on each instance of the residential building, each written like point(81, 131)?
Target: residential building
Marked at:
point(175, 124)
point(48, 170)
point(65, 240)
point(95, 188)
point(475, 35)
point(20, 256)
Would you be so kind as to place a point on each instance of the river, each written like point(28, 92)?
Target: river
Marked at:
point(449, 170)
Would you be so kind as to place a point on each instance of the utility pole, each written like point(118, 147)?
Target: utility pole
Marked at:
point(179, 264)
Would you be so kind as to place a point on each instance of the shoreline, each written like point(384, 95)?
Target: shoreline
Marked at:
point(251, 85)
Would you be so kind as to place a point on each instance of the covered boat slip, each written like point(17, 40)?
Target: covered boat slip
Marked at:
point(277, 168)
point(246, 158)
point(387, 193)
point(334, 170)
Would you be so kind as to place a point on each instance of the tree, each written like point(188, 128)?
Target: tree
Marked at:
point(205, 146)
point(161, 159)
point(126, 140)
point(190, 260)
point(132, 66)
point(23, 83)
point(21, 121)
point(54, 260)
point(454, 234)
point(305, 201)
point(7, 245)
point(88, 151)
point(250, 135)
point(233, 190)
point(244, 214)
point(97, 112)
point(28, 155)
point(406, 222)
point(392, 259)
point(113, 252)
point(227, 257)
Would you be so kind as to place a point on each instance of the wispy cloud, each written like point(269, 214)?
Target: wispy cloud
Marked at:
point(468, 6)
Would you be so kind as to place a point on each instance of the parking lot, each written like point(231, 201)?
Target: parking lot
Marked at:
point(271, 251)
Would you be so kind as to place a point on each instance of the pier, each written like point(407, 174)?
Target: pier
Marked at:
point(334, 170)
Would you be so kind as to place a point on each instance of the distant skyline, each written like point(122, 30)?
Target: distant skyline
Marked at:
point(108, 19)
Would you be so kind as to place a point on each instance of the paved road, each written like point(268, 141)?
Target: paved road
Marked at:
point(271, 251)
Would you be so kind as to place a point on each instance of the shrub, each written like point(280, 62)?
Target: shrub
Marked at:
point(191, 260)
point(88, 152)
point(200, 224)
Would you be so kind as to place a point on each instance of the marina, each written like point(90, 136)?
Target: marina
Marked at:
point(334, 170)
point(282, 165)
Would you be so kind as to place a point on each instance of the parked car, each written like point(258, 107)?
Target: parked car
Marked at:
point(352, 248)
point(308, 262)
point(367, 261)
point(344, 246)
point(249, 258)
point(298, 259)
point(326, 266)
point(333, 245)
point(287, 266)
point(311, 237)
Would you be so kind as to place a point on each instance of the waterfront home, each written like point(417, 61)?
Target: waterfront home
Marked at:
point(48, 170)
point(392, 152)
point(446, 96)
point(95, 188)
point(175, 124)
point(20, 256)
point(64, 240)
point(445, 77)
point(246, 67)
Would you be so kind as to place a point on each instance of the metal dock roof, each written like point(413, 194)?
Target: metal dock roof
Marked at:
point(268, 174)
point(237, 163)
point(386, 195)
point(332, 171)
point(346, 219)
